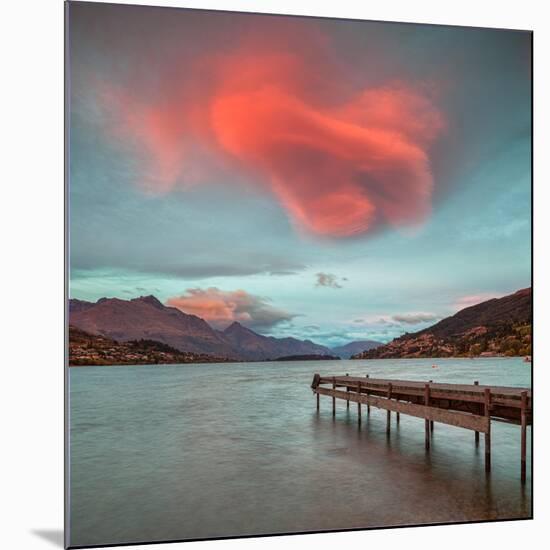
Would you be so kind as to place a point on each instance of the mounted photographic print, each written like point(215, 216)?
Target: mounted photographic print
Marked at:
point(299, 274)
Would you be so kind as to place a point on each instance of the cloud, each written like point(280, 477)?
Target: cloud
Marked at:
point(341, 333)
point(182, 266)
point(203, 270)
point(221, 308)
point(328, 280)
point(340, 161)
point(415, 318)
point(282, 272)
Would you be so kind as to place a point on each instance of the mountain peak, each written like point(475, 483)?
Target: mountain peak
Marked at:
point(235, 326)
point(78, 305)
point(351, 348)
point(151, 300)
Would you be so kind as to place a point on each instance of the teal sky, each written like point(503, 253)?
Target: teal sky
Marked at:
point(143, 222)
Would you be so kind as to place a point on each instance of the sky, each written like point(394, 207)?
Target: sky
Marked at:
point(326, 179)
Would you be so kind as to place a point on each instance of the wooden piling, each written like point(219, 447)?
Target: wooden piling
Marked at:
point(333, 398)
point(476, 383)
point(487, 395)
point(347, 400)
point(388, 412)
point(523, 436)
point(427, 422)
point(359, 403)
point(317, 402)
point(368, 406)
point(431, 421)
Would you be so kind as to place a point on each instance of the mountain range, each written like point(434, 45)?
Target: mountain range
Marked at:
point(347, 350)
point(146, 318)
point(500, 326)
point(495, 327)
point(254, 346)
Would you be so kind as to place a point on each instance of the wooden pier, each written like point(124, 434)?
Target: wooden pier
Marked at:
point(470, 406)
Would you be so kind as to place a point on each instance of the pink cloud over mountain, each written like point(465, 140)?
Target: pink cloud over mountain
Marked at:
point(220, 308)
point(340, 161)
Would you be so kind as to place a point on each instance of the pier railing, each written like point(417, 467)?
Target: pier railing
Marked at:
point(469, 406)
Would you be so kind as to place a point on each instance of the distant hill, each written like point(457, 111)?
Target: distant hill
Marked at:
point(308, 358)
point(501, 326)
point(146, 318)
point(256, 347)
point(347, 350)
point(89, 349)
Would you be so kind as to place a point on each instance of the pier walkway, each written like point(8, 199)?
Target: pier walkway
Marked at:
point(470, 406)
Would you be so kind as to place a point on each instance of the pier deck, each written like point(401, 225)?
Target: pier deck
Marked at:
point(470, 406)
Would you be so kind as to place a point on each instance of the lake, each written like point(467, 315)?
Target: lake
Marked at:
point(198, 451)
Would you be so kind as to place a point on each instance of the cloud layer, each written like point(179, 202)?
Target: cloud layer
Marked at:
point(221, 308)
point(415, 318)
point(340, 161)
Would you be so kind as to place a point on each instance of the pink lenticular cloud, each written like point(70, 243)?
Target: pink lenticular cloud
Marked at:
point(339, 167)
point(335, 176)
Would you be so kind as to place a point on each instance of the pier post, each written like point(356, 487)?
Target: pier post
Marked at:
point(368, 406)
point(397, 417)
point(347, 390)
point(427, 422)
point(431, 421)
point(359, 403)
point(523, 436)
point(487, 395)
point(317, 401)
point(476, 383)
point(333, 398)
point(388, 413)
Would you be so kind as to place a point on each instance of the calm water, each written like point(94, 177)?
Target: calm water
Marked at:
point(191, 451)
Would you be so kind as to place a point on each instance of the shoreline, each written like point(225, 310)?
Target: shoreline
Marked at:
point(229, 362)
